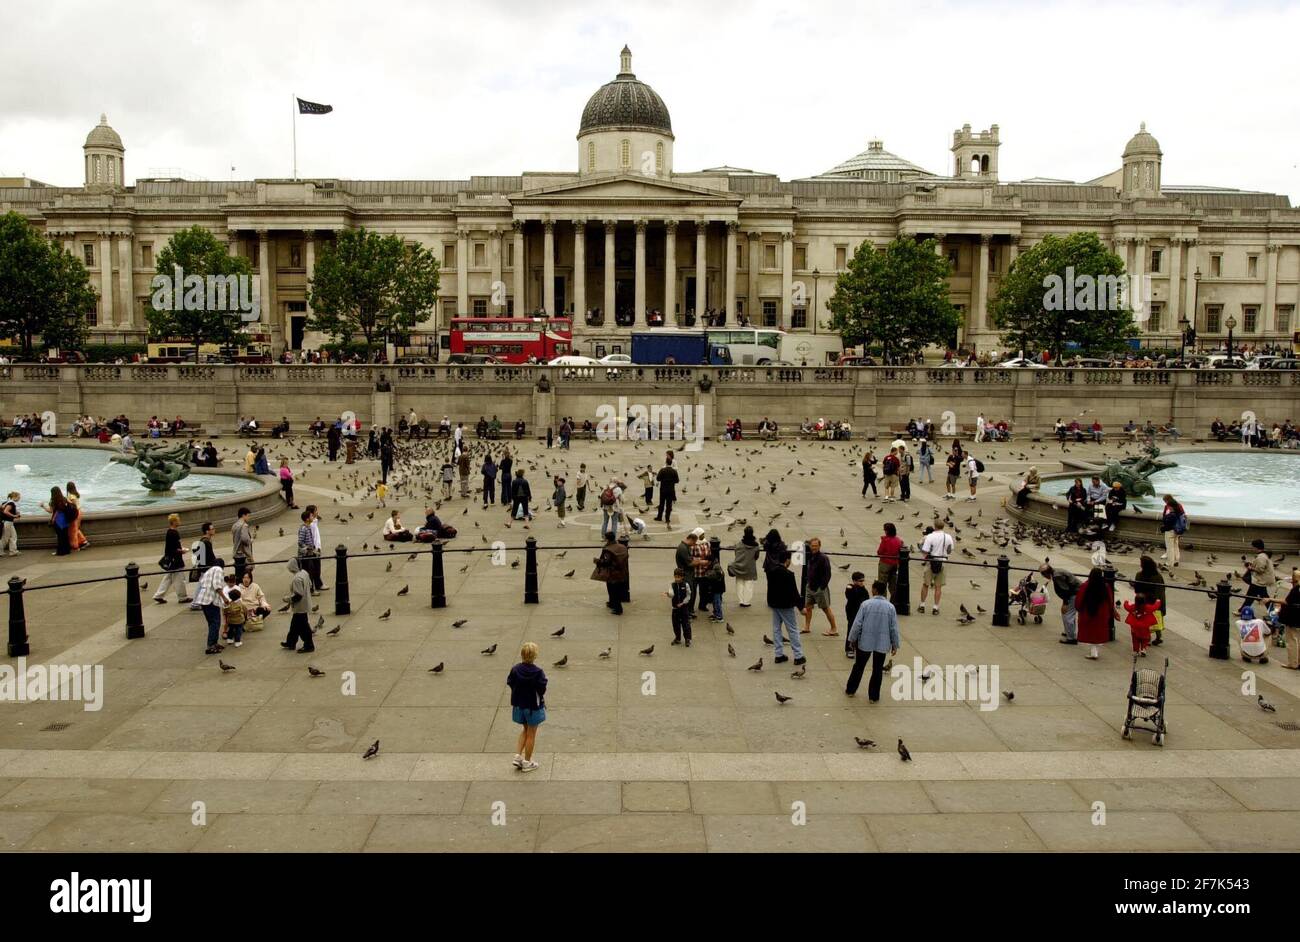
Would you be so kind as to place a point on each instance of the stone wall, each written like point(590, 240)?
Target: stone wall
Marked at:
point(874, 399)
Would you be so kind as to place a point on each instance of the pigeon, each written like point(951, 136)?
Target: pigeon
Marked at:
point(437, 668)
point(648, 651)
point(962, 608)
point(974, 584)
point(491, 650)
point(903, 753)
point(320, 623)
point(604, 655)
point(767, 640)
point(460, 623)
point(404, 590)
point(562, 661)
point(514, 564)
point(314, 672)
point(801, 671)
point(286, 607)
point(1263, 704)
point(389, 568)
point(558, 634)
point(372, 751)
point(227, 668)
point(315, 609)
point(758, 666)
point(864, 743)
point(731, 652)
point(730, 630)
point(569, 574)
point(1009, 694)
point(781, 699)
point(335, 630)
point(387, 612)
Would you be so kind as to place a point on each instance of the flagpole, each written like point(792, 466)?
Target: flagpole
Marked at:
point(294, 111)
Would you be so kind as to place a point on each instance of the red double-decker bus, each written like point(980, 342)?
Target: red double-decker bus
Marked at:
point(513, 339)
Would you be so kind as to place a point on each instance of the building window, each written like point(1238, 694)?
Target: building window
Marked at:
point(740, 257)
point(448, 309)
point(1284, 312)
point(769, 255)
point(952, 258)
point(92, 316)
point(1213, 316)
point(88, 254)
point(510, 255)
point(1216, 266)
point(480, 307)
point(480, 254)
point(449, 255)
point(1252, 266)
point(255, 258)
point(625, 153)
point(146, 254)
point(1250, 319)
point(1157, 312)
point(1157, 256)
point(841, 257)
point(295, 255)
point(659, 159)
point(799, 317)
point(769, 313)
point(591, 156)
point(296, 307)
point(510, 307)
point(800, 258)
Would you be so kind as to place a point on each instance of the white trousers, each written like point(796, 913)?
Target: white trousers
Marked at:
point(745, 590)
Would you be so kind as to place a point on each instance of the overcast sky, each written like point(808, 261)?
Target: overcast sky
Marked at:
point(445, 90)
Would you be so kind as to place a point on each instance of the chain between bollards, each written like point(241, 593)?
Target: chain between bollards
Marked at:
point(530, 571)
point(903, 584)
point(1219, 636)
point(342, 598)
point(18, 646)
point(437, 582)
point(1002, 594)
point(134, 616)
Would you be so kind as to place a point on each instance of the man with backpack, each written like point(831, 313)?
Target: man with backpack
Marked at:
point(974, 468)
point(610, 508)
point(668, 479)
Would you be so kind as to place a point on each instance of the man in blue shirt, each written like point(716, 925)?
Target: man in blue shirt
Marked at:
point(874, 632)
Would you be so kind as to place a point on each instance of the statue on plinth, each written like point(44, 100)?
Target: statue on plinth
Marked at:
point(160, 464)
point(1135, 473)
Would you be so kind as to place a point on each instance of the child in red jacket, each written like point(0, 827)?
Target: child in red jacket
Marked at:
point(1141, 616)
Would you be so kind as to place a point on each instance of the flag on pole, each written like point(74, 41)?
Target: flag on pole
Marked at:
point(311, 107)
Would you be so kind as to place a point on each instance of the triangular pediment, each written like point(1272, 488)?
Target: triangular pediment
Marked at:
point(627, 188)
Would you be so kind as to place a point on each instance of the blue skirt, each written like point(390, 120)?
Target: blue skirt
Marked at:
point(526, 716)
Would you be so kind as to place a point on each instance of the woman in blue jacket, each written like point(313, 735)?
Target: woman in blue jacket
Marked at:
point(527, 683)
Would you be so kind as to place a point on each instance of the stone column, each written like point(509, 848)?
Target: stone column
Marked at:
point(729, 266)
point(106, 279)
point(611, 263)
point(518, 268)
point(638, 316)
point(755, 266)
point(1139, 278)
point(982, 284)
point(1013, 252)
point(579, 270)
point(125, 280)
point(1270, 288)
point(309, 263)
point(1189, 288)
point(462, 272)
point(1175, 283)
point(548, 267)
point(70, 245)
point(787, 280)
point(264, 273)
point(938, 243)
point(701, 270)
point(670, 272)
point(496, 247)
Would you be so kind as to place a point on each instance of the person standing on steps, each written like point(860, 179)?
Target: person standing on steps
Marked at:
point(874, 633)
point(668, 481)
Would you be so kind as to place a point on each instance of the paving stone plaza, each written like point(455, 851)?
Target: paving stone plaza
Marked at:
point(681, 750)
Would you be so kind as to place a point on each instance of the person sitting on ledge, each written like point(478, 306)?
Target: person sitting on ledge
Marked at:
point(281, 429)
point(317, 428)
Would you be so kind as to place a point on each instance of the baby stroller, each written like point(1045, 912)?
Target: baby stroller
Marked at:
point(1146, 702)
point(1030, 599)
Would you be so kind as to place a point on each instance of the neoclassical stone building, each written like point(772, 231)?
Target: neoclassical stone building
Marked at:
point(625, 233)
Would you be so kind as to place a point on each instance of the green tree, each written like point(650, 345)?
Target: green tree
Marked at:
point(371, 285)
point(187, 311)
point(1044, 304)
point(896, 297)
point(44, 291)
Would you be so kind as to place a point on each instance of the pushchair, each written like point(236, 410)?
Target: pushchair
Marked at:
point(1146, 702)
point(1030, 599)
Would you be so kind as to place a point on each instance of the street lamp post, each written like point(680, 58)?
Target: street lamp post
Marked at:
point(816, 311)
point(1183, 324)
point(1231, 324)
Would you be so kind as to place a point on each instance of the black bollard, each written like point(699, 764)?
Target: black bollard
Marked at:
point(134, 617)
point(437, 581)
point(903, 584)
point(1219, 636)
point(1110, 584)
point(18, 646)
point(1002, 594)
point(342, 599)
point(530, 571)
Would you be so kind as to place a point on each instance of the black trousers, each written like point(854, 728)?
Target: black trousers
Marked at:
point(905, 486)
point(489, 490)
point(877, 659)
point(300, 630)
point(240, 564)
point(384, 468)
point(615, 592)
point(682, 624)
point(869, 482)
point(665, 510)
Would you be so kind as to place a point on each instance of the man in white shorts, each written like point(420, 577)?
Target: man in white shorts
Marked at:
point(935, 550)
point(973, 472)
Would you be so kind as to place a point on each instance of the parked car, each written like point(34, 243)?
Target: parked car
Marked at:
point(1284, 363)
point(470, 359)
point(616, 359)
point(1225, 362)
point(574, 360)
point(1021, 363)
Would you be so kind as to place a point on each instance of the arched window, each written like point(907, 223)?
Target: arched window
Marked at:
point(975, 164)
point(659, 159)
point(625, 153)
point(591, 156)
point(984, 163)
